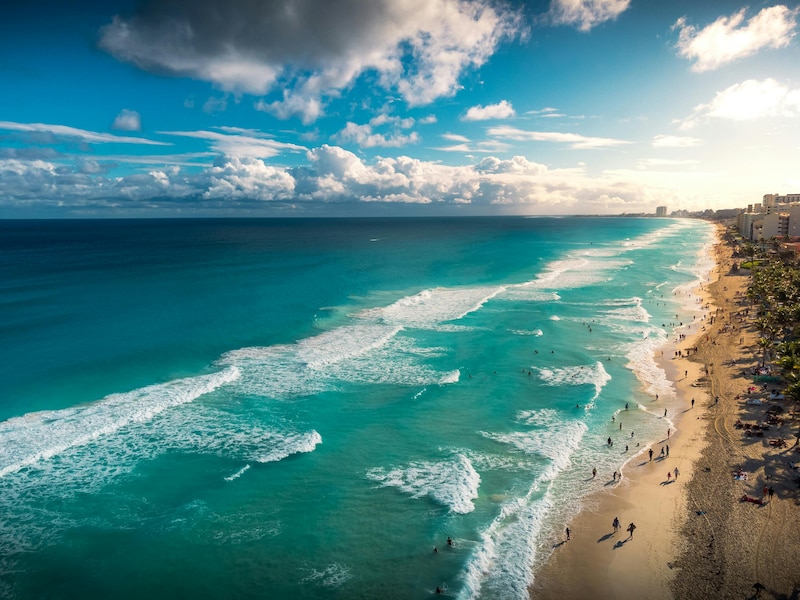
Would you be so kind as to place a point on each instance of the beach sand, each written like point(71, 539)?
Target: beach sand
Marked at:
point(695, 537)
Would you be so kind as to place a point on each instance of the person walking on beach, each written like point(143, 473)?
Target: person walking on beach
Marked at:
point(631, 529)
point(567, 532)
point(669, 476)
point(651, 454)
point(667, 450)
point(677, 472)
point(615, 524)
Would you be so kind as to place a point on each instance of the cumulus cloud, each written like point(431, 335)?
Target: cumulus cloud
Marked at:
point(501, 110)
point(730, 38)
point(248, 178)
point(366, 137)
point(751, 99)
point(574, 140)
point(60, 132)
point(585, 14)
point(330, 177)
point(127, 120)
point(313, 49)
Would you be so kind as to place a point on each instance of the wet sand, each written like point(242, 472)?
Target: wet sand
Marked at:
point(695, 537)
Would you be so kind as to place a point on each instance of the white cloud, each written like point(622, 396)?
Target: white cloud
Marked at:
point(64, 131)
point(249, 179)
point(585, 14)
point(466, 146)
point(239, 145)
point(469, 148)
point(518, 165)
point(501, 110)
point(674, 141)
point(729, 38)
point(574, 140)
point(365, 137)
point(331, 176)
point(127, 120)
point(454, 137)
point(547, 110)
point(214, 104)
point(307, 107)
point(315, 49)
point(751, 99)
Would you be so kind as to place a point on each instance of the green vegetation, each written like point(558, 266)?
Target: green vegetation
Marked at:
point(775, 292)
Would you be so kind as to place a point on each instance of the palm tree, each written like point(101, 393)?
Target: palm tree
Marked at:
point(765, 345)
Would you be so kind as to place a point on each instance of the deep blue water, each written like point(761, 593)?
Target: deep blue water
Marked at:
point(305, 408)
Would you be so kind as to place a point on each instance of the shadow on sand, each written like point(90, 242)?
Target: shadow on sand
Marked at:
point(621, 543)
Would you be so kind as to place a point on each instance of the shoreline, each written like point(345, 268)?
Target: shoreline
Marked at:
point(674, 527)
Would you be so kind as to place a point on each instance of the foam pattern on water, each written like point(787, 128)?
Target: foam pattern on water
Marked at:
point(42, 436)
point(452, 483)
point(502, 564)
point(594, 375)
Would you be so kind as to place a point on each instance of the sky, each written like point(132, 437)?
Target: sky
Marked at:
point(166, 108)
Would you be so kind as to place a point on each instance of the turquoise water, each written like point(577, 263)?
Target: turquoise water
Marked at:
point(306, 408)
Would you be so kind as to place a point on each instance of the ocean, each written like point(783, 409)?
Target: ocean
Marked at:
point(289, 408)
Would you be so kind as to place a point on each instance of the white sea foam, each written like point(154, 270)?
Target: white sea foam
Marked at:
point(359, 354)
point(502, 564)
point(595, 375)
point(333, 575)
point(641, 360)
point(528, 292)
point(343, 343)
point(433, 307)
point(543, 417)
point(37, 437)
point(627, 309)
point(451, 377)
point(293, 443)
point(238, 473)
point(533, 332)
point(453, 483)
point(548, 442)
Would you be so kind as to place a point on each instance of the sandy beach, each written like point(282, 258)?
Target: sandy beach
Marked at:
point(695, 537)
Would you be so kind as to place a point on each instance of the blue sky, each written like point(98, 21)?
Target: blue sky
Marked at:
point(395, 107)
